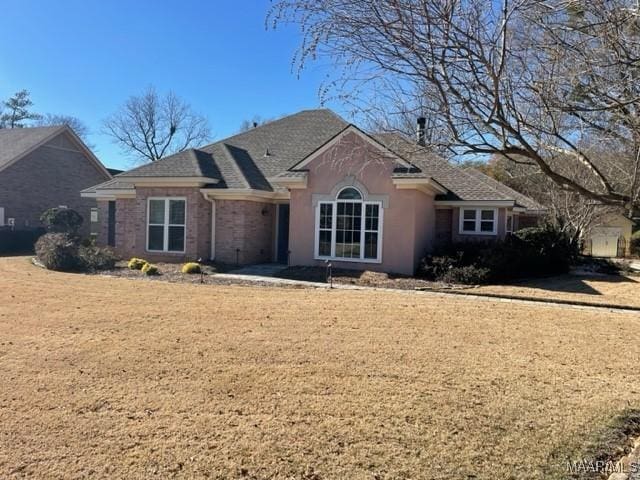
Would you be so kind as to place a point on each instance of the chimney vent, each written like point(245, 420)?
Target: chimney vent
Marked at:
point(421, 133)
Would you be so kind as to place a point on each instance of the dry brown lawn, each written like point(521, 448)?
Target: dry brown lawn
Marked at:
point(114, 378)
point(597, 289)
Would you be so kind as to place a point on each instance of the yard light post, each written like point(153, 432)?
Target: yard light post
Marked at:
point(201, 270)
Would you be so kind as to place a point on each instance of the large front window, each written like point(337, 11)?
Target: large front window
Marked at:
point(166, 224)
point(479, 221)
point(349, 228)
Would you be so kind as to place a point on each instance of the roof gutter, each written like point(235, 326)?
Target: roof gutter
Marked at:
point(475, 203)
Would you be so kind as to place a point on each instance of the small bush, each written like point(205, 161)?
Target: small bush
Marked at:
point(191, 267)
point(94, 258)
point(469, 275)
point(529, 252)
point(635, 243)
point(136, 263)
point(62, 220)
point(149, 269)
point(58, 251)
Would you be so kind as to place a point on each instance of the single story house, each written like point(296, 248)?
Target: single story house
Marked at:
point(45, 167)
point(303, 190)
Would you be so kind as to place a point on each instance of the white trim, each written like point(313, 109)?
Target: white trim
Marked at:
point(212, 253)
point(277, 229)
point(475, 203)
point(166, 225)
point(426, 185)
point(478, 221)
point(169, 181)
point(334, 220)
point(291, 182)
point(1, 216)
point(109, 194)
point(506, 222)
point(349, 129)
point(213, 229)
point(246, 194)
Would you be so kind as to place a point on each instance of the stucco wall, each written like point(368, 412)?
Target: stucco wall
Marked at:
point(50, 176)
point(131, 225)
point(408, 210)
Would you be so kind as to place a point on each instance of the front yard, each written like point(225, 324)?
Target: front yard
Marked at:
point(112, 378)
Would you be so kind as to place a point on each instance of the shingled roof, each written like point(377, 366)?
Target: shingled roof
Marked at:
point(522, 200)
point(249, 159)
point(461, 185)
point(15, 142)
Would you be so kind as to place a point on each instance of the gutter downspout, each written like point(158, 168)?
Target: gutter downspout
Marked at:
point(213, 225)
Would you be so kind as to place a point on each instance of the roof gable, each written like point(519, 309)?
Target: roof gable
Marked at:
point(339, 136)
point(17, 143)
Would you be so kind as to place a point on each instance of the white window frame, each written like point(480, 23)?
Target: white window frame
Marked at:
point(94, 215)
point(334, 222)
point(166, 225)
point(509, 215)
point(478, 220)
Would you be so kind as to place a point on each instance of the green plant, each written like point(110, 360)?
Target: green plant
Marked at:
point(469, 275)
point(635, 243)
point(62, 220)
point(94, 258)
point(136, 263)
point(530, 252)
point(58, 251)
point(191, 267)
point(149, 269)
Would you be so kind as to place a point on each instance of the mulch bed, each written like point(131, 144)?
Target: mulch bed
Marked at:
point(365, 279)
point(170, 272)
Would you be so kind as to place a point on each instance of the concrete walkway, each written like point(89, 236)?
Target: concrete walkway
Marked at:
point(260, 270)
point(463, 295)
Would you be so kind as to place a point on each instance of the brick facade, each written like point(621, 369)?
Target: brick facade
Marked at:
point(444, 226)
point(50, 176)
point(244, 229)
point(131, 224)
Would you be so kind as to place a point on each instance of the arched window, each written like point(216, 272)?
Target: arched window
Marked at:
point(349, 228)
point(349, 193)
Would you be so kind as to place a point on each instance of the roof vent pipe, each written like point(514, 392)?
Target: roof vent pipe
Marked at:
point(421, 133)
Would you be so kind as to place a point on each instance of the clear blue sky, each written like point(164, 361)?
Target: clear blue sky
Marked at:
point(86, 57)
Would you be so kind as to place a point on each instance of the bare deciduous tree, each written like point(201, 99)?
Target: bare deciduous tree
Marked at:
point(530, 80)
point(566, 209)
point(150, 126)
point(77, 125)
point(256, 121)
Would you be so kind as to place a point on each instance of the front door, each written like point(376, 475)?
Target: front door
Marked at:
point(111, 224)
point(283, 234)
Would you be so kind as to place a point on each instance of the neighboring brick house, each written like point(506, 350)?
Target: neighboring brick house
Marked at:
point(302, 190)
point(45, 167)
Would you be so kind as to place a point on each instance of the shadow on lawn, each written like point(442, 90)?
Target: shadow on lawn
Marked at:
point(595, 456)
point(571, 283)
